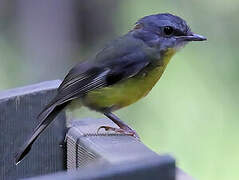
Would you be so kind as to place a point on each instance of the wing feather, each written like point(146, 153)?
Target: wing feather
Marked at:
point(118, 61)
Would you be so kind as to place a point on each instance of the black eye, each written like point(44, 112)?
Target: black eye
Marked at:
point(168, 30)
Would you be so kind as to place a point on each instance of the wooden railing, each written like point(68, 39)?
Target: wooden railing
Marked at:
point(80, 150)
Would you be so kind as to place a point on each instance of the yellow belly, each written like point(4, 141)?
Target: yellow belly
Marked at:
point(128, 91)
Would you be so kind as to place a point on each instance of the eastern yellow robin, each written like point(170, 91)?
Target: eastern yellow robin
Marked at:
point(123, 72)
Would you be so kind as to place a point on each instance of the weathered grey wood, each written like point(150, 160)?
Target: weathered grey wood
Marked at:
point(122, 157)
point(88, 146)
point(110, 173)
point(154, 168)
point(110, 156)
point(18, 110)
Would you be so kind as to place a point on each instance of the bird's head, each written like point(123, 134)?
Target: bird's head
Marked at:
point(165, 31)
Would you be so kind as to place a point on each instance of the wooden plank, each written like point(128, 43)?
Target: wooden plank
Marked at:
point(149, 169)
point(110, 156)
point(18, 110)
point(109, 147)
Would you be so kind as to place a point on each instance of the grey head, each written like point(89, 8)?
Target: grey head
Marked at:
point(165, 31)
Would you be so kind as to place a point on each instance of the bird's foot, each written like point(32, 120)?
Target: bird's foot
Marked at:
point(125, 131)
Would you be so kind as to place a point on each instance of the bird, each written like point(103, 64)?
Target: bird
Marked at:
point(124, 71)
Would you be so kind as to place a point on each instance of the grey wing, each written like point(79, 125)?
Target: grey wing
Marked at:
point(79, 82)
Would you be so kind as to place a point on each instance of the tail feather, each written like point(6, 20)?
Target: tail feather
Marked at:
point(45, 117)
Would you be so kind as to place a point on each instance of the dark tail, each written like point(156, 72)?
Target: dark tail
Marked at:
point(46, 117)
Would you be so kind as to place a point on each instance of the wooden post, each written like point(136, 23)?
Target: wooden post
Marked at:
point(18, 110)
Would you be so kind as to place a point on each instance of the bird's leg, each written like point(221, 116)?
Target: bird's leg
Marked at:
point(123, 128)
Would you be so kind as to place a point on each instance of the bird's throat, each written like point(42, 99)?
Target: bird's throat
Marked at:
point(167, 56)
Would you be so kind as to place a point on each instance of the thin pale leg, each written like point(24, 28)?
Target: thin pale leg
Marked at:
point(123, 128)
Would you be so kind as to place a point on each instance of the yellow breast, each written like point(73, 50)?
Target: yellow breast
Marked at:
point(129, 91)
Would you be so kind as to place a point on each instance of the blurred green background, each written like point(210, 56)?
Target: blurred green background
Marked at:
point(192, 113)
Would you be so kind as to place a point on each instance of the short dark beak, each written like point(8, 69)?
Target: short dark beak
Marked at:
point(192, 37)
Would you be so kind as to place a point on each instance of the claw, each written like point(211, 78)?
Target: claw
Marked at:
point(106, 128)
point(128, 132)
